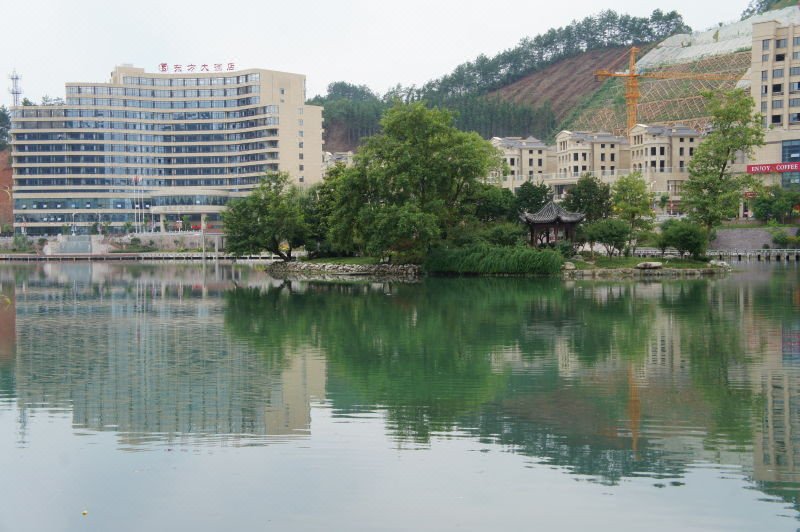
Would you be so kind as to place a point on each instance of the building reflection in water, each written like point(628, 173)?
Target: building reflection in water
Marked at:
point(139, 351)
point(605, 379)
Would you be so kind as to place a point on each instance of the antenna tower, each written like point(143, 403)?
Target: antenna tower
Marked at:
point(15, 90)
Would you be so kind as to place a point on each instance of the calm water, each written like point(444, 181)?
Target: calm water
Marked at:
point(181, 398)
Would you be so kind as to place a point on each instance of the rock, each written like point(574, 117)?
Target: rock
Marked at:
point(568, 266)
point(719, 264)
point(649, 266)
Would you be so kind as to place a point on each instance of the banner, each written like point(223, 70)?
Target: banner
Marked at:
point(773, 168)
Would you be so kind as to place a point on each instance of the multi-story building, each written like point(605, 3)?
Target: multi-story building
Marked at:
point(579, 152)
point(662, 155)
point(159, 149)
point(527, 159)
point(775, 87)
point(599, 154)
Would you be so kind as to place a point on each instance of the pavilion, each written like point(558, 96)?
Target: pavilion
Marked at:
point(551, 219)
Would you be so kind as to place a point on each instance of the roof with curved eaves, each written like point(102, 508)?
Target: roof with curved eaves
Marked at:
point(551, 213)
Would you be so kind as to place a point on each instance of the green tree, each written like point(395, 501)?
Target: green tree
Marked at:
point(633, 203)
point(612, 233)
point(492, 203)
point(776, 203)
point(685, 236)
point(5, 126)
point(589, 196)
point(531, 198)
point(271, 218)
point(712, 193)
point(421, 169)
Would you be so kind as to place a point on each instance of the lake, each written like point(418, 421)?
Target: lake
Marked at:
point(174, 397)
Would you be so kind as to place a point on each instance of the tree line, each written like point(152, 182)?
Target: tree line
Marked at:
point(356, 110)
point(418, 192)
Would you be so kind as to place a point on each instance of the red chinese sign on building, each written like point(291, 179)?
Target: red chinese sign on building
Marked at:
point(776, 168)
point(195, 67)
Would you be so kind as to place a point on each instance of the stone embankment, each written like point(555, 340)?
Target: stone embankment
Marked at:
point(645, 270)
point(321, 270)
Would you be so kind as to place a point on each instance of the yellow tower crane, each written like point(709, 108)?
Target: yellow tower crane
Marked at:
point(631, 77)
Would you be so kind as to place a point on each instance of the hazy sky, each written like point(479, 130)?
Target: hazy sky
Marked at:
point(379, 44)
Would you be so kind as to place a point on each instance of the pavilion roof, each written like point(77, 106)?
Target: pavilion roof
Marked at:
point(551, 213)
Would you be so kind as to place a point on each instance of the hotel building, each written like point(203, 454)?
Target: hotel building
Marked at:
point(159, 149)
point(775, 87)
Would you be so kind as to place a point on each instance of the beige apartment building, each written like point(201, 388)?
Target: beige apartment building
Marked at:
point(159, 150)
point(527, 159)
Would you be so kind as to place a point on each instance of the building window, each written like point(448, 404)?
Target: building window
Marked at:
point(794, 86)
point(794, 71)
point(780, 43)
point(777, 104)
point(777, 88)
point(777, 73)
point(603, 146)
point(796, 41)
point(794, 118)
point(765, 44)
point(780, 57)
point(764, 75)
point(777, 119)
point(794, 102)
point(764, 90)
point(765, 58)
point(602, 156)
point(680, 151)
point(795, 55)
point(662, 151)
point(612, 157)
point(652, 150)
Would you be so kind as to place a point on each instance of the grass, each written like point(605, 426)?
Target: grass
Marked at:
point(603, 262)
point(493, 260)
point(345, 260)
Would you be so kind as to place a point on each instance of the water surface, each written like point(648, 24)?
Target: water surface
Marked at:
point(190, 398)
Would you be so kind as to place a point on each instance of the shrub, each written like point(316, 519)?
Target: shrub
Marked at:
point(485, 259)
point(504, 234)
point(612, 233)
point(686, 237)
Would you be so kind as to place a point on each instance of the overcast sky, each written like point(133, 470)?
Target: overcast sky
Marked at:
point(50, 42)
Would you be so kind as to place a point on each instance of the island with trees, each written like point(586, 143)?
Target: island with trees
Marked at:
point(417, 193)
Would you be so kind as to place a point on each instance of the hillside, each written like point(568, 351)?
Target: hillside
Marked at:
point(562, 85)
point(665, 101)
point(502, 95)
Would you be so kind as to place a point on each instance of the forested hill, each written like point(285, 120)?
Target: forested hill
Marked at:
point(353, 111)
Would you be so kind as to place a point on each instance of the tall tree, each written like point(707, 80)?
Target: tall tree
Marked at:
point(589, 196)
point(531, 198)
point(270, 219)
point(712, 193)
point(633, 203)
point(5, 126)
point(408, 184)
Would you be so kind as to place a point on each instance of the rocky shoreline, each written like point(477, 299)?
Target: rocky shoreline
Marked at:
point(412, 272)
point(325, 271)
